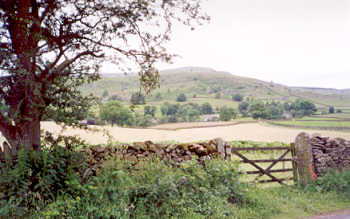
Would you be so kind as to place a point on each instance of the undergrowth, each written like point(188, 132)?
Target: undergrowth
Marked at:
point(48, 184)
point(158, 190)
point(32, 179)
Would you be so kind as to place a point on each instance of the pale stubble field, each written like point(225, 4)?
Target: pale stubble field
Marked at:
point(249, 131)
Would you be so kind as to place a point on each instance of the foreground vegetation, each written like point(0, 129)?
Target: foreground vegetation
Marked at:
point(53, 183)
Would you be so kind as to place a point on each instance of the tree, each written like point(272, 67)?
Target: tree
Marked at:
point(300, 108)
point(331, 109)
point(115, 97)
point(206, 108)
point(144, 121)
point(273, 111)
point(105, 94)
point(243, 108)
point(227, 113)
point(116, 113)
point(257, 110)
point(181, 98)
point(49, 48)
point(137, 99)
point(237, 97)
point(150, 110)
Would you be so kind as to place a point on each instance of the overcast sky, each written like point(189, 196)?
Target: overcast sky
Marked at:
point(293, 42)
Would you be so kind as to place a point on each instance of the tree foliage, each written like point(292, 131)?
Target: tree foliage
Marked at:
point(300, 108)
point(150, 110)
point(49, 48)
point(243, 108)
point(237, 97)
point(227, 113)
point(257, 110)
point(137, 99)
point(116, 113)
point(181, 98)
point(206, 108)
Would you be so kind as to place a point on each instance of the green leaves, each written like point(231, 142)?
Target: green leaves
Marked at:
point(36, 178)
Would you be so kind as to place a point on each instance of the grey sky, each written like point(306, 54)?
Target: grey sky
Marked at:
point(293, 42)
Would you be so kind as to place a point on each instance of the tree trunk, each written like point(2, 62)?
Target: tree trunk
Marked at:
point(31, 135)
point(26, 135)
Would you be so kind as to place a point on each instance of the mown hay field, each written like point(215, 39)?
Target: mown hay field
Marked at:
point(249, 131)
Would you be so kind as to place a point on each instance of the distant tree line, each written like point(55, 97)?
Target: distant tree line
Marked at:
point(275, 110)
point(115, 113)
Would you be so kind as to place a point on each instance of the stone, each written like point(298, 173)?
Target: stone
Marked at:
point(304, 158)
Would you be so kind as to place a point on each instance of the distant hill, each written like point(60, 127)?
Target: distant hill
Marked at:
point(205, 84)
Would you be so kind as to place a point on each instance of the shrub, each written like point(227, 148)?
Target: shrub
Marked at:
point(243, 108)
point(150, 110)
point(206, 108)
point(115, 98)
point(237, 97)
point(158, 190)
point(145, 121)
point(116, 113)
point(105, 93)
point(181, 98)
point(337, 181)
point(257, 110)
point(137, 99)
point(34, 179)
point(227, 113)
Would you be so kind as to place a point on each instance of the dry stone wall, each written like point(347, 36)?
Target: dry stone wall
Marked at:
point(140, 151)
point(329, 153)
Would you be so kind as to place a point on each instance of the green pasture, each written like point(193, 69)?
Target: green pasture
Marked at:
point(317, 118)
point(330, 124)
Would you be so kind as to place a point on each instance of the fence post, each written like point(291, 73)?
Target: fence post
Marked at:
point(220, 147)
point(304, 159)
point(228, 151)
point(294, 163)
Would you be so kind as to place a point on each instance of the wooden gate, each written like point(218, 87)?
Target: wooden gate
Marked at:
point(260, 171)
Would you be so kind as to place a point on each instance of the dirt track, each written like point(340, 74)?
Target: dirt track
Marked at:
point(251, 131)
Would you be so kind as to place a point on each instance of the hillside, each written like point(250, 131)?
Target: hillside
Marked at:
point(205, 84)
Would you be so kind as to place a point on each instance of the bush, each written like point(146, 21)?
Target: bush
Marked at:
point(335, 181)
point(181, 98)
point(145, 121)
point(237, 97)
point(150, 110)
point(227, 113)
point(137, 99)
point(34, 179)
point(115, 98)
point(116, 113)
point(158, 190)
point(257, 110)
point(206, 108)
point(243, 108)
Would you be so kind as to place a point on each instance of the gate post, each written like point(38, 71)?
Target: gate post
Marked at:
point(304, 159)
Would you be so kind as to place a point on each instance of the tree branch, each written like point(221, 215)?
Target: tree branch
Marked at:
point(60, 68)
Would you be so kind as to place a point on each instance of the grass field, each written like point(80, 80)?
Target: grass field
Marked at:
point(336, 121)
point(325, 124)
point(270, 155)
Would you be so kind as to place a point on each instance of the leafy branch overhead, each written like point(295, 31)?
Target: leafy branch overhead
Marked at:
point(49, 48)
